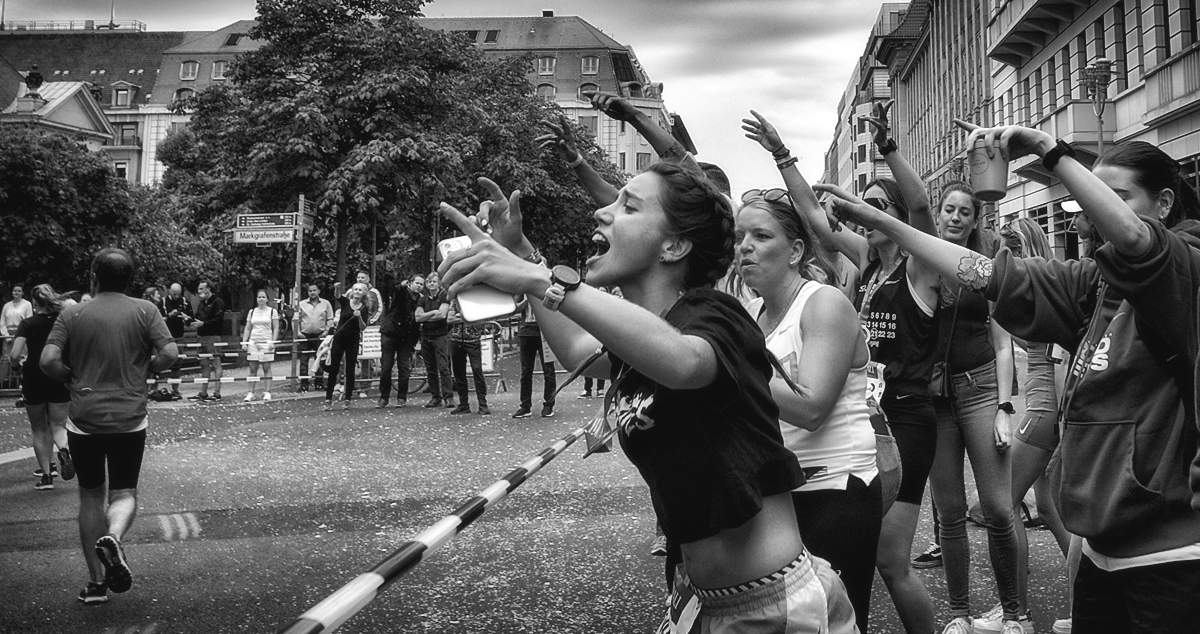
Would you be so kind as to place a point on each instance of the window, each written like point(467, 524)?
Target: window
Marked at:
point(122, 169)
point(643, 160)
point(233, 39)
point(862, 154)
point(587, 89)
point(590, 122)
point(545, 65)
point(621, 156)
point(491, 36)
point(469, 36)
point(189, 70)
point(591, 65)
point(546, 91)
point(120, 97)
point(126, 134)
point(862, 183)
point(220, 67)
point(184, 93)
point(635, 90)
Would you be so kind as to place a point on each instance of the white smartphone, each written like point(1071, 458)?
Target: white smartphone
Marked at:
point(482, 302)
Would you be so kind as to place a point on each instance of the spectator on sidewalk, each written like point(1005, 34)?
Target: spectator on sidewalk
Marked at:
point(316, 318)
point(465, 345)
point(258, 339)
point(432, 309)
point(103, 351)
point(529, 338)
point(11, 316)
point(398, 336)
point(210, 317)
point(177, 312)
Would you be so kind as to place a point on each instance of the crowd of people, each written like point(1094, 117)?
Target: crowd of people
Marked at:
point(786, 374)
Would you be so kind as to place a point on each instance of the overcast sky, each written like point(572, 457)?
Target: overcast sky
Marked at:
point(788, 59)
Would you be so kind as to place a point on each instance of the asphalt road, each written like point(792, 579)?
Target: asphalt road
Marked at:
point(251, 514)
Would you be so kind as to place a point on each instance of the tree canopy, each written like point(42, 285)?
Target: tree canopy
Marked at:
point(375, 118)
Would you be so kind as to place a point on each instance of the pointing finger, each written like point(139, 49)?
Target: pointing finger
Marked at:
point(464, 224)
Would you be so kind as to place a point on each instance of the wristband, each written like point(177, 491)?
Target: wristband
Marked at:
point(887, 147)
point(577, 162)
point(1006, 407)
point(535, 257)
point(1060, 149)
point(781, 152)
point(786, 164)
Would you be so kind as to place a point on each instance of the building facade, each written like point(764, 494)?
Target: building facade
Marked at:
point(573, 58)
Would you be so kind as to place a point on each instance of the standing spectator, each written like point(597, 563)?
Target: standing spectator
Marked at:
point(103, 351)
point(464, 345)
point(587, 380)
point(398, 335)
point(346, 338)
point(177, 313)
point(258, 338)
point(210, 316)
point(316, 318)
point(529, 338)
point(45, 399)
point(373, 314)
point(13, 313)
point(432, 311)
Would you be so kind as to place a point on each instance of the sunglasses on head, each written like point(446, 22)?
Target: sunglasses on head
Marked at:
point(879, 203)
point(770, 195)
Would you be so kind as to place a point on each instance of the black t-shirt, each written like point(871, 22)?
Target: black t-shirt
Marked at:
point(349, 325)
point(965, 331)
point(710, 454)
point(436, 327)
point(36, 330)
point(902, 337)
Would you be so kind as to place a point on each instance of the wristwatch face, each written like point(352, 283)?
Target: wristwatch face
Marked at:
point(566, 276)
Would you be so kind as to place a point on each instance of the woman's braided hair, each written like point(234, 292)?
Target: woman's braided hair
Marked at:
point(696, 210)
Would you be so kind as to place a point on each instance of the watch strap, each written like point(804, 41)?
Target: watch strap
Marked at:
point(887, 147)
point(1060, 149)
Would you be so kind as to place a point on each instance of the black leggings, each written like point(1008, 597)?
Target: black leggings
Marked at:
point(842, 527)
point(348, 347)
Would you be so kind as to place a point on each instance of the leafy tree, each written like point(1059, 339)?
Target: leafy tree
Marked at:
point(165, 248)
point(59, 203)
point(373, 116)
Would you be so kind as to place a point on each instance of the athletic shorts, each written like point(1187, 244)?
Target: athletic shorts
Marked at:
point(913, 422)
point(1039, 425)
point(120, 453)
point(260, 351)
point(39, 390)
point(805, 596)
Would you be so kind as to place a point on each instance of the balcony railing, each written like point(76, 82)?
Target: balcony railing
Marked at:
point(73, 25)
point(126, 141)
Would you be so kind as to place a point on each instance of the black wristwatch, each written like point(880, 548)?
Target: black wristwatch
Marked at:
point(563, 279)
point(1006, 407)
point(1060, 149)
point(887, 147)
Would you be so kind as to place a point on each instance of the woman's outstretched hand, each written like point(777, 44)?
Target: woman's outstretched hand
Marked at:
point(485, 262)
point(761, 130)
point(879, 120)
point(614, 106)
point(561, 139)
point(502, 218)
point(849, 208)
point(1012, 141)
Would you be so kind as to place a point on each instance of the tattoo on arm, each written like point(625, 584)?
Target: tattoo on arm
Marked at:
point(975, 271)
point(675, 153)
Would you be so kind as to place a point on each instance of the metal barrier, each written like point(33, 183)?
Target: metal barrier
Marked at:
point(337, 608)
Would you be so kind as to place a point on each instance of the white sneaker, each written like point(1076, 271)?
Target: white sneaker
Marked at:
point(249, 397)
point(990, 621)
point(960, 625)
point(266, 396)
point(1061, 626)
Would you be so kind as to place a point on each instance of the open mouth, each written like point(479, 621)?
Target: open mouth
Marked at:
point(602, 245)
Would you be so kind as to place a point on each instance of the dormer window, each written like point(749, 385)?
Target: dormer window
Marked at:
point(545, 65)
point(184, 94)
point(120, 97)
point(546, 91)
point(189, 70)
point(233, 39)
point(491, 36)
point(219, 68)
point(591, 65)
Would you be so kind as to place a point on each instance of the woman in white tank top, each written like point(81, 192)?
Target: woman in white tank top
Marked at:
point(813, 329)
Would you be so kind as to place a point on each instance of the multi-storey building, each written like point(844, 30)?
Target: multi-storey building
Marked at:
point(1042, 50)
point(573, 58)
point(852, 160)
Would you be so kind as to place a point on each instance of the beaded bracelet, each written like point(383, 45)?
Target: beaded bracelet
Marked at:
point(781, 152)
point(782, 165)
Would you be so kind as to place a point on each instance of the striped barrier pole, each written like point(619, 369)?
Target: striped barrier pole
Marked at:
point(337, 608)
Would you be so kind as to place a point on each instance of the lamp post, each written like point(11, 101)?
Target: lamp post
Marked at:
point(1096, 77)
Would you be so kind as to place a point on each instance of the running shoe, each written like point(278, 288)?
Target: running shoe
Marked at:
point(659, 547)
point(584, 394)
point(433, 402)
point(522, 412)
point(215, 397)
point(68, 465)
point(37, 473)
point(46, 483)
point(960, 625)
point(1061, 626)
point(249, 398)
point(93, 594)
point(117, 576)
point(484, 411)
point(547, 411)
point(993, 621)
point(382, 403)
point(345, 404)
point(1012, 626)
point(462, 408)
point(329, 406)
point(931, 558)
point(266, 396)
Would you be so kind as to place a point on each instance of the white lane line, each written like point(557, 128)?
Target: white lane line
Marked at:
point(181, 525)
point(165, 523)
point(14, 456)
point(194, 523)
